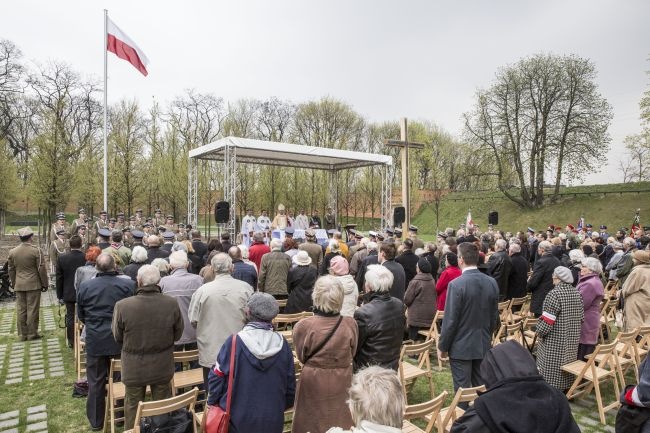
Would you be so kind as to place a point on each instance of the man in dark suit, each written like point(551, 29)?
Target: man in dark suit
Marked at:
point(387, 253)
point(200, 248)
point(471, 316)
point(408, 260)
point(370, 259)
point(499, 266)
point(154, 251)
point(66, 268)
point(541, 281)
point(518, 277)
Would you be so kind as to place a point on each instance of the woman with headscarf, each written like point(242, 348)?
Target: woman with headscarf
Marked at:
point(513, 382)
point(325, 345)
point(451, 272)
point(264, 381)
point(558, 329)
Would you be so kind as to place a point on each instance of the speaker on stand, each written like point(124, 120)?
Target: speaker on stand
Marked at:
point(399, 216)
point(493, 218)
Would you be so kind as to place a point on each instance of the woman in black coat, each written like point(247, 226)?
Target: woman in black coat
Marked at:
point(300, 284)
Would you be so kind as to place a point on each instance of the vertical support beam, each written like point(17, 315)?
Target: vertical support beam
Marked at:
point(404, 153)
point(386, 193)
point(332, 200)
point(230, 186)
point(192, 192)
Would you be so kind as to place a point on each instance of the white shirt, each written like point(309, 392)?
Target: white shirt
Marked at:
point(468, 268)
point(248, 224)
point(302, 222)
point(263, 223)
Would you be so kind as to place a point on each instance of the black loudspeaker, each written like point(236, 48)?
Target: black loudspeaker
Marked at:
point(399, 216)
point(222, 212)
point(493, 218)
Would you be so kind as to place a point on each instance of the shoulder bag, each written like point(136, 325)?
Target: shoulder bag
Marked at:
point(217, 420)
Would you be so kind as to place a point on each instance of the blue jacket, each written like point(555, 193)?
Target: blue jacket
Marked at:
point(96, 300)
point(471, 315)
point(245, 272)
point(263, 388)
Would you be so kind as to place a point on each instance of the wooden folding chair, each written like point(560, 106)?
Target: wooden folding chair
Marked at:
point(168, 405)
point(589, 376)
point(434, 332)
point(627, 353)
point(285, 322)
point(610, 289)
point(529, 335)
point(643, 343)
point(429, 408)
point(452, 412)
point(114, 398)
point(408, 372)
point(79, 350)
point(607, 316)
point(504, 310)
point(190, 377)
point(519, 309)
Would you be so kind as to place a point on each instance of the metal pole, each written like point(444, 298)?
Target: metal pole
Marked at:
point(105, 49)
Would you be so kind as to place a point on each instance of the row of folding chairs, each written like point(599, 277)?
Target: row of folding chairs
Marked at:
point(186, 401)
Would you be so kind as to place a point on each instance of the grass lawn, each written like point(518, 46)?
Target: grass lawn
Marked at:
point(67, 414)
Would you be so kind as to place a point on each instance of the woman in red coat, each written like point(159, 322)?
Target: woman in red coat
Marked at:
point(451, 272)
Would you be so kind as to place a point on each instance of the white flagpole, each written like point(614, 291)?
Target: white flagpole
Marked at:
point(105, 112)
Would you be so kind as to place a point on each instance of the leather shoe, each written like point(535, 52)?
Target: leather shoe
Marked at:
point(35, 337)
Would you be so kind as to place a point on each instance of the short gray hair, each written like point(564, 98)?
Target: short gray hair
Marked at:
point(221, 263)
point(179, 246)
point(629, 242)
point(139, 254)
point(576, 255)
point(148, 275)
point(514, 248)
point(500, 245)
point(276, 244)
point(593, 264)
point(545, 246)
point(328, 294)
point(379, 279)
point(162, 266)
point(372, 246)
point(376, 395)
point(178, 260)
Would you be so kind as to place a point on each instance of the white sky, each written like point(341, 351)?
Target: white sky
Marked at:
point(422, 59)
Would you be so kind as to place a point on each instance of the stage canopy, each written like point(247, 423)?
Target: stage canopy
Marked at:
point(234, 150)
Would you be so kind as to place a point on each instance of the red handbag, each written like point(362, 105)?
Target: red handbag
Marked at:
point(218, 421)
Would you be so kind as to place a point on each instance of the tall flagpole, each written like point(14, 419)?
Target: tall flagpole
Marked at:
point(105, 112)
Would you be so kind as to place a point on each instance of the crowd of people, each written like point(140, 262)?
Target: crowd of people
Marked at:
point(167, 290)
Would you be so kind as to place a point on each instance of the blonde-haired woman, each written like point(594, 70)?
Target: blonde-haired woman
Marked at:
point(325, 345)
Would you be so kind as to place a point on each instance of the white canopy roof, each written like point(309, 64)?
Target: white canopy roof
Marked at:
point(289, 155)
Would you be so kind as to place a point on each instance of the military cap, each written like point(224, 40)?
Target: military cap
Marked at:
point(126, 229)
point(119, 214)
point(60, 232)
point(310, 233)
point(168, 235)
point(139, 210)
point(158, 211)
point(589, 226)
point(103, 212)
point(380, 236)
point(137, 234)
point(442, 235)
point(603, 227)
point(413, 228)
point(389, 230)
point(289, 231)
point(112, 220)
point(331, 231)
point(531, 230)
point(358, 235)
point(162, 229)
point(131, 218)
point(570, 226)
point(146, 225)
point(105, 233)
point(81, 226)
point(170, 217)
point(350, 226)
point(189, 227)
point(181, 225)
point(82, 210)
point(372, 234)
point(25, 232)
point(60, 216)
point(149, 219)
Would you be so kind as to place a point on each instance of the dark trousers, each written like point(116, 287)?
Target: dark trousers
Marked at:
point(465, 374)
point(206, 371)
point(414, 333)
point(584, 350)
point(27, 311)
point(69, 322)
point(97, 368)
point(135, 394)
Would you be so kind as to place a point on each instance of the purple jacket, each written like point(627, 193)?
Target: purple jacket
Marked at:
point(591, 289)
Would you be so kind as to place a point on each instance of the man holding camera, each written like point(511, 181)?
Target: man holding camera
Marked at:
point(29, 277)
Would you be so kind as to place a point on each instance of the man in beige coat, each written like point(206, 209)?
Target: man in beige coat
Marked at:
point(636, 292)
point(28, 277)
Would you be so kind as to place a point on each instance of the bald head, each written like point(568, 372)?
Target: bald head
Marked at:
point(105, 263)
point(234, 252)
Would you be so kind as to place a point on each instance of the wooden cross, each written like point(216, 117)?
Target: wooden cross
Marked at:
point(404, 144)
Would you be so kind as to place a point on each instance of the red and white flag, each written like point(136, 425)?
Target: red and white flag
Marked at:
point(470, 222)
point(124, 47)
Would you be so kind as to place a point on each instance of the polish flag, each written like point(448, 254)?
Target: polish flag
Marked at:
point(469, 223)
point(124, 47)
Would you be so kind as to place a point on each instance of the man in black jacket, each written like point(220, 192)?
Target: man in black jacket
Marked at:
point(154, 251)
point(541, 281)
point(387, 252)
point(471, 316)
point(499, 266)
point(371, 259)
point(66, 268)
point(409, 261)
point(381, 321)
point(200, 248)
point(518, 273)
point(96, 300)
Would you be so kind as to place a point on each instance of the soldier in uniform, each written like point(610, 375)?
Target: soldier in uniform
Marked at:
point(169, 224)
point(158, 219)
point(79, 221)
point(249, 224)
point(182, 233)
point(132, 225)
point(137, 238)
point(29, 277)
point(120, 223)
point(168, 237)
point(280, 221)
point(330, 219)
point(104, 235)
point(60, 224)
point(413, 234)
point(112, 225)
point(147, 228)
point(139, 220)
point(398, 237)
point(101, 223)
point(82, 232)
point(57, 247)
point(127, 238)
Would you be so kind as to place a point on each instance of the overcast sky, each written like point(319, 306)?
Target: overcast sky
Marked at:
point(388, 59)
